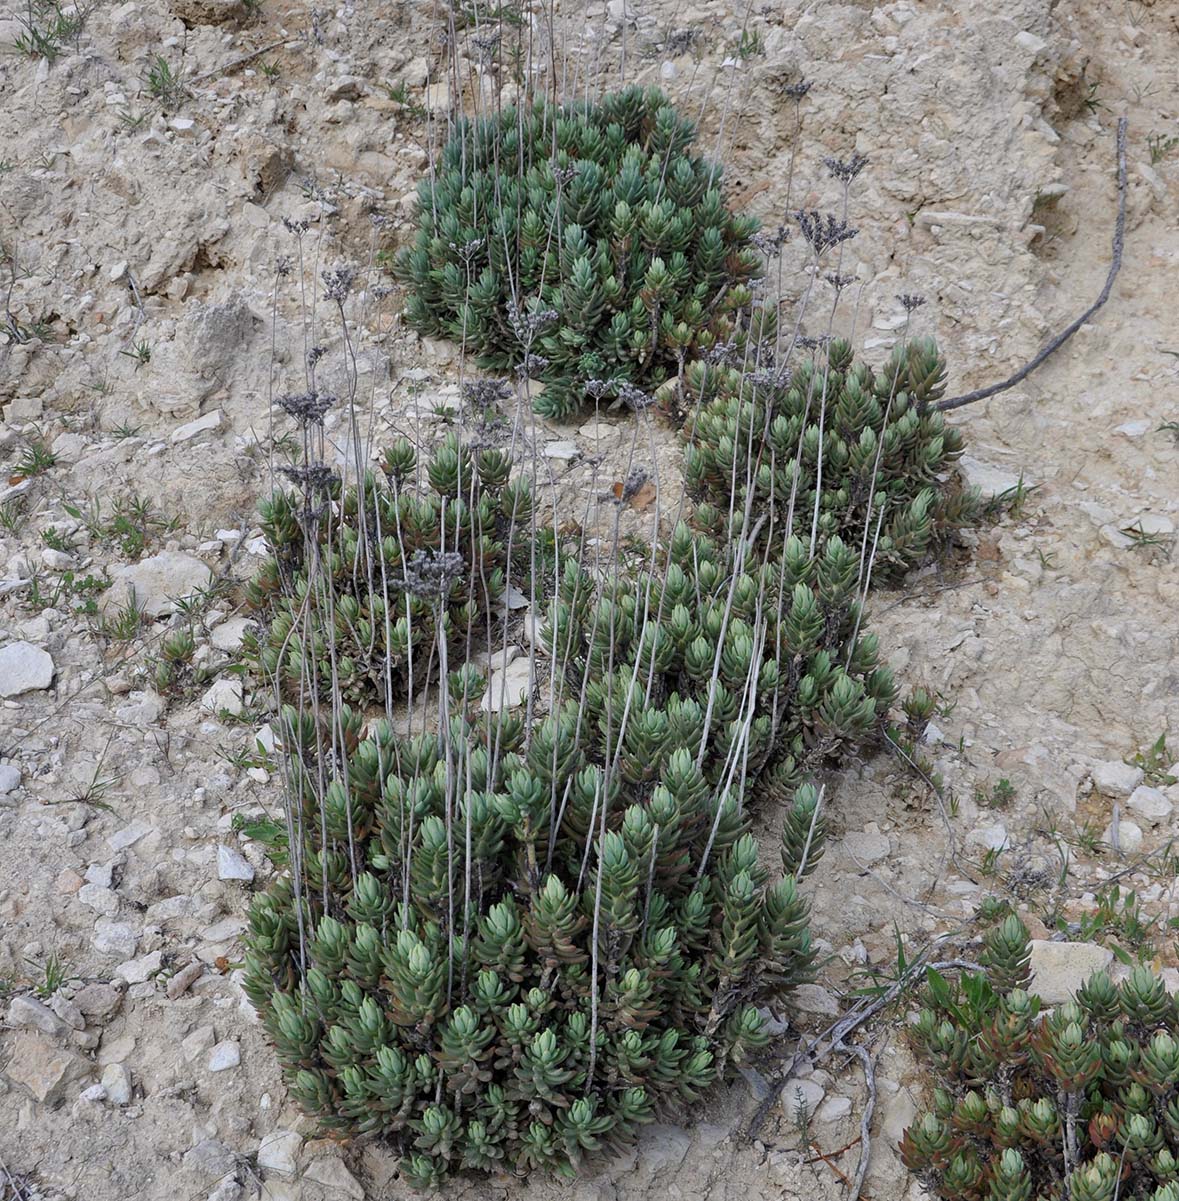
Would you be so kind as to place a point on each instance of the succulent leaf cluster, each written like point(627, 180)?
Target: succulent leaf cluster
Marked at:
point(759, 665)
point(517, 953)
point(867, 442)
point(1080, 1101)
point(584, 241)
point(361, 580)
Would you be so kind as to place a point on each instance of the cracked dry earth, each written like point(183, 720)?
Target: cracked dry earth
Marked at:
point(1050, 637)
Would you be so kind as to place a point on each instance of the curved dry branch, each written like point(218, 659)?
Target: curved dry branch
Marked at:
point(957, 402)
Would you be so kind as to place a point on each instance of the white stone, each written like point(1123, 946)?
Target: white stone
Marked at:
point(1127, 838)
point(561, 450)
point(32, 1014)
point(115, 938)
point(833, 1109)
point(156, 583)
point(229, 634)
point(278, 1152)
point(334, 1176)
point(806, 1093)
point(24, 668)
point(1150, 804)
point(1116, 779)
point(139, 971)
point(990, 480)
point(120, 840)
point(224, 1055)
point(509, 687)
point(101, 900)
point(1030, 42)
point(1060, 968)
point(117, 1082)
point(197, 1043)
point(9, 778)
point(866, 846)
point(991, 838)
point(814, 998)
point(225, 696)
point(233, 865)
point(1133, 429)
point(188, 431)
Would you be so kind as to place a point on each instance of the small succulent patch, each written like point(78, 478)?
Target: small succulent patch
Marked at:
point(361, 579)
point(516, 954)
point(584, 243)
point(866, 444)
point(1078, 1102)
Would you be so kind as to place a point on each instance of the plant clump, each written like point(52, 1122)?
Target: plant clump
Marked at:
point(506, 954)
point(1078, 1102)
point(753, 666)
point(831, 446)
point(361, 579)
point(582, 242)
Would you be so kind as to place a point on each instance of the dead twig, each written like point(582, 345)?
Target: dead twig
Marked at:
point(957, 402)
point(835, 1035)
point(240, 61)
point(866, 1062)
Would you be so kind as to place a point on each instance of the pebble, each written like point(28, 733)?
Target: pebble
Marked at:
point(229, 634)
point(1060, 968)
point(1114, 778)
point(797, 1093)
point(278, 1152)
point(991, 481)
point(128, 836)
point(834, 1109)
point(197, 1043)
point(814, 998)
point(333, 1174)
point(225, 696)
point(9, 778)
point(115, 938)
point(24, 668)
point(30, 1013)
point(866, 846)
point(233, 865)
point(210, 1159)
point(1150, 804)
point(138, 971)
point(509, 687)
point(117, 1082)
point(157, 582)
point(1127, 838)
point(188, 431)
point(42, 1066)
point(992, 837)
point(564, 451)
point(98, 1000)
point(183, 980)
point(224, 1055)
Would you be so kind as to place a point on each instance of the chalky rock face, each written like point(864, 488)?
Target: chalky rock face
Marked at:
point(830, 445)
point(583, 238)
point(1086, 1092)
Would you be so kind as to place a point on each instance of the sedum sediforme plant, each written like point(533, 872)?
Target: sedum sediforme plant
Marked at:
point(749, 663)
point(829, 448)
point(583, 241)
point(1078, 1102)
point(361, 578)
point(505, 954)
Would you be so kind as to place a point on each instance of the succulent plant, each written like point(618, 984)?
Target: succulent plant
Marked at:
point(767, 665)
point(514, 954)
point(1080, 1102)
point(393, 564)
point(583, 241)
point(868, 442)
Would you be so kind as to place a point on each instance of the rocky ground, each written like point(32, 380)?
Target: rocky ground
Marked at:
point(154, 187)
